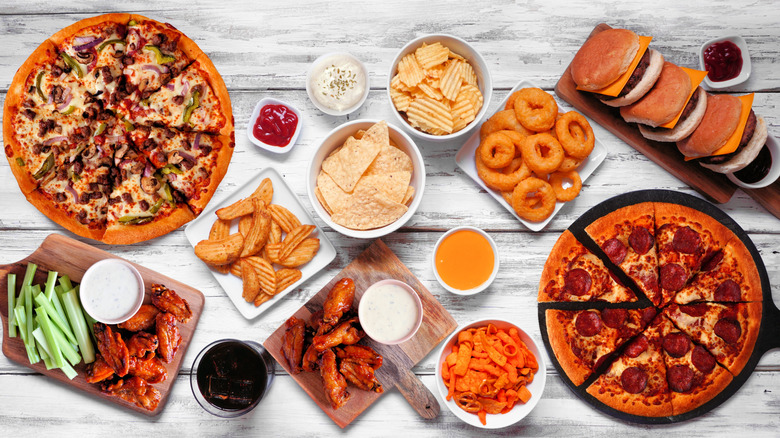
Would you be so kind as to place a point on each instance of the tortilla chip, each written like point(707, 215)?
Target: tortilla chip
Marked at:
point(392, 184)
point(320, 198)
point(408, 196)
point(390, 159)
point(334, 196)
point(348, 165)
point(368, 208)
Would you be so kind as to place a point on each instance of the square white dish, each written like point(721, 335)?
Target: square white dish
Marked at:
point(465, 160)
point(199, 229)
point(253, 119)
point(743, 75)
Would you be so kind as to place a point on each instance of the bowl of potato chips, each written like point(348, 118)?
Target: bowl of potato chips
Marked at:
point(440, 87)
point(366, 178)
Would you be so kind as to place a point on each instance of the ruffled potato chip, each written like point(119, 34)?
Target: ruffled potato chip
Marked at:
point(430, 115)
point(432, 55)
point(409, 71)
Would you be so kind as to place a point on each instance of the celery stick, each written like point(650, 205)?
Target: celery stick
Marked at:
point(70, 373)
point(41, 350)
point(36, 290)
point(55, 317)
point(28, 302)
point(32, 353)
point(51, 281)
point(65, 283)
point(29, 274)
point(57, 303)
point(68, 351)
point(11, 300)
point(79, 325)
point(48, 332)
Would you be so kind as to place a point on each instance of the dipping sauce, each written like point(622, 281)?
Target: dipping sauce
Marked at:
point(464, 260)
point(111, 291)
point(723, 61)
point(338, 82)
point(757, 169)
point(275, 125)
point(231, 375)
point(388, 312)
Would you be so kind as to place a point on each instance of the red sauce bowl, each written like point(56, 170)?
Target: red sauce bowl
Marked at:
point(253, 121)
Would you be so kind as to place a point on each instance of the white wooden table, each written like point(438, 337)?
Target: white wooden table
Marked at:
point(263, 48)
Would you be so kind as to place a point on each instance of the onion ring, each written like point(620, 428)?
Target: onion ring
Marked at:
point(502, 120)
point(497, 150)
point(568, 193)
point(569, 163)
point(535, 109)
point(575, 134)
point(504, 179)
point(543, 153)
point(533, 199)
point(517, 139)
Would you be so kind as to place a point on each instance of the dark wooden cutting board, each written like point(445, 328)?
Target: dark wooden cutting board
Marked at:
point(376, 263)
point(712, 185)
point(72, 258)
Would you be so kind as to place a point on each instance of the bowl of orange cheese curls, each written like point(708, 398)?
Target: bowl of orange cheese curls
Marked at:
point(490, 374)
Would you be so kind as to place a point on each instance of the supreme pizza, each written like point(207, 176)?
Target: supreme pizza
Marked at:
point(119, 128)
point(685, 329)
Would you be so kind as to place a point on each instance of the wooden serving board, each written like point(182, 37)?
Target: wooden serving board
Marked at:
point(71, 257)
point(712, 185)
point(376, 263)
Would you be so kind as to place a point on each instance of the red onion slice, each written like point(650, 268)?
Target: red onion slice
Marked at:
point(94, 59)
point(148, 170)
point(86, 43)
point(172, 176)
point(66, 102)
point(53, 140)
point(152, 67)
point(186, 88)
point(196, 144)
point(169, 86)
point(187, 156)
point(73, 192)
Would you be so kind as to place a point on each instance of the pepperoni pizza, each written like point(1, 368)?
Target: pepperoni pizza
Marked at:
point(83, 120)
point(704, 302)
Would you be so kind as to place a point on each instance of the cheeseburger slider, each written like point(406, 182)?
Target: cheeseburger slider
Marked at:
point(721, 119)
point(606, 57)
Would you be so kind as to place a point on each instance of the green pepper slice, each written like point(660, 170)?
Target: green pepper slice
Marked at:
point(38, 86)
point(159, 55)
point(47, 165)
point(128, 124)
point(156, 206)
point(100, 129)
point(170, 168)
point(192, 104)
point(73, 64)
point(69, 110)
point(166, 193)
point(134, 218)
point(105, 43)
point(132, 23)
point(19, 162)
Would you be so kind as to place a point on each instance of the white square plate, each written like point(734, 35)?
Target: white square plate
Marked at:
point(199, 229)
point(465, 160)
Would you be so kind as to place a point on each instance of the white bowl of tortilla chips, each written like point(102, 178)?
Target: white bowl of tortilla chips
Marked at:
point(366, 178)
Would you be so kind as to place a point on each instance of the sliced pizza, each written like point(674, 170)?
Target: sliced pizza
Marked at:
point(728, 275)
point(572, 273)
point(693, 375)
point(196, 100)
point(635, 382)
point(685, 237)
point(627, 237)
point(729, 331)
point(583, 339)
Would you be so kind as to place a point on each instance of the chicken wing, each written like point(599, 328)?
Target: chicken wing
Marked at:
point(360, 353)
point(112, 348)
point(149, 368)
point(141, 343)
point(169, 301)
point(168, 336)
point(134, 390)
point(309, 361)
point(142, 320)
point(344, 333)
point(335, 384)
point(98, 370)
point(339, 301)
point(292, 343)
point(361, 375)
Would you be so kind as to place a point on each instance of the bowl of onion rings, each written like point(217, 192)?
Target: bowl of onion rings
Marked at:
point(482, 403)
point(426, 102)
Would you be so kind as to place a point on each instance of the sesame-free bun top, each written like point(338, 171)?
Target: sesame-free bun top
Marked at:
point(720, 121)
point(664, 101)
point(603, 58)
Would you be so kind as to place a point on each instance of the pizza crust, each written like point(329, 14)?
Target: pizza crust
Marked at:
point(117, 233)
point(717, 381)
point(220, 91)
point(558, 336)
point(67, 32)
point(558, 254)
point(46, 206)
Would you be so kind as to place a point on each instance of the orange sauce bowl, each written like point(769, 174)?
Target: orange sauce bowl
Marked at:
point(465, 260)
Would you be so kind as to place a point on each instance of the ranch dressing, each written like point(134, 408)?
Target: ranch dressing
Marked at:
point(110, 291)
point(338, 82)
point(388, 312)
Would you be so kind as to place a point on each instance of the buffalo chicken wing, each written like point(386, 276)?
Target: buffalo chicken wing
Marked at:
point(339, 301)
point(169, 301)
point(335, 384)
point(168, 336)
point(142, 320)
point(292, 343)
point(112, 348)
point(134, 390)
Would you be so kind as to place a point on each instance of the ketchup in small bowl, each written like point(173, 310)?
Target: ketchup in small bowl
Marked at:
point(274, 125)
point(723, 61)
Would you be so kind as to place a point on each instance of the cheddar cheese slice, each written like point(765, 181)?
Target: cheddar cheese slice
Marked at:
point(614, 88)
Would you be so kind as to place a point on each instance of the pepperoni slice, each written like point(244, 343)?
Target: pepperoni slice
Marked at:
point(637, 346)
point(641, 240)
point(686, 240)
point(676, 344)
point(711, 260)
point(576, 282)
point(702, 359)
point(728, 291)
point(729, 330)
point(647, 316)
point(588, 323)
point(615, 250)
point(614, 318)
point(694, 309)
point(673, 277)
point(634, 380)
point(680, 378)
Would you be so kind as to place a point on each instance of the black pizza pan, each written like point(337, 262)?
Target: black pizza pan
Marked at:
point(769, 330)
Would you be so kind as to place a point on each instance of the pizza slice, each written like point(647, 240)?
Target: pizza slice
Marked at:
point(692, 373)
point(627, 237)
point(142, 204)
point(729, 331)
point(196, 100)
point(582, 340)
point(728, 275)
point(194, 163)
point(685, 237)
point(636, 381)
point(572, 273)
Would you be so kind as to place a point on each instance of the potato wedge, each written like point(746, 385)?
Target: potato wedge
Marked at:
point(221, 251)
